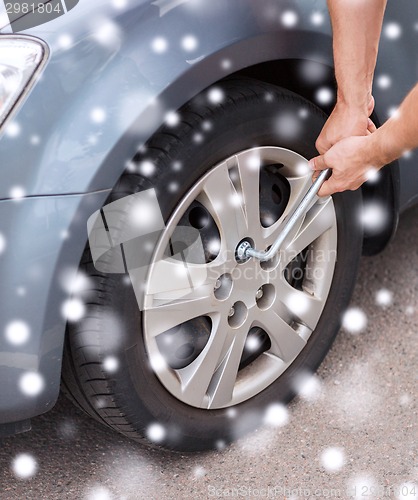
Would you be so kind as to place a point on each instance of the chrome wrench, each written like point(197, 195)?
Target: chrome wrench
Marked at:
point(246, 251)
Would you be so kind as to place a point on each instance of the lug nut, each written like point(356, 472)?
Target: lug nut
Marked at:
point(218, 284)
point(259, 294)
point(231, 312)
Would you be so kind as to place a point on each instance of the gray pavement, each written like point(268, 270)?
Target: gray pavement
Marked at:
point(361, 416)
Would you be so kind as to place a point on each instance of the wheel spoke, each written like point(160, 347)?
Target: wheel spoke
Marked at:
point(249, 176)
point(285, 342)
point(302, 306)
point(163, 312)
point(223, 381)
point(298, 188)
point(224, 203)
point(318, 220)
point(197, 377)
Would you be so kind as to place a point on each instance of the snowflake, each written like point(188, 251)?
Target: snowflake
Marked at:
point(216, 95)
point(172, 118)
point(73, 281)
point(73, 309)
point(392, 31)
point(12, 130)
point(119, 4)
point(107, 33)
point(98, 115)
point(383, 81)
point(231, 412)
point(173, 187)
point(159, 45)
point(324, 96)
point(198, 138)
point(303, 113)
point(372, 175)
point(31, 384)
point(373, 216)
point(65, 41)
point(302, 168)
point(156, 433)
point(289, 18)
point(288, 125)
point(189, 43)
point(17, 332)
point(405, 399)
point(199, 472)
point(146, 168)
point(409, 310)
point(35, 140)
point(384, 297)
point(332, 459)
point(226, 64)
point(17, 193)
point(354, 320)
point(393, 112)
point(276, 415)
point(317, 18)
point(67, 429)
point(99, 493)
point(298, 303)
point(220, 445)
point(24, 466)
point(214, 245)
point(252, 343)
point(207, 125)
point(308, 386)
point(111, 364)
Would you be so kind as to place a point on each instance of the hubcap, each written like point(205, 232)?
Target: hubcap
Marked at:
point(234, 325)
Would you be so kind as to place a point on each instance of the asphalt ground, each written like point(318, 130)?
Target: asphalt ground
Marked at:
point(353, 435)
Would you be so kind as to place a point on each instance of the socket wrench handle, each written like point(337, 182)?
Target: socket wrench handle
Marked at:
point(299, 212)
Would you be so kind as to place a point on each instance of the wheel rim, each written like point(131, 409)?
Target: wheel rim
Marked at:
point(245, 323)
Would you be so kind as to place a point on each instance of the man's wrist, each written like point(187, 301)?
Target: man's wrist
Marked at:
point(378, 150)
point(356, 101)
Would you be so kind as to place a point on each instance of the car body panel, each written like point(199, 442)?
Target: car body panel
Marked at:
point(99, 99)
point(34, 267)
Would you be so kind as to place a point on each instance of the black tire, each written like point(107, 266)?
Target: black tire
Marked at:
point(132, 398)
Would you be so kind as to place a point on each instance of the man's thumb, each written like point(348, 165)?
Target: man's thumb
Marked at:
point(318, 163)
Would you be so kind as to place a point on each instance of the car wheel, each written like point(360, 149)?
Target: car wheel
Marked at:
point(201, 369)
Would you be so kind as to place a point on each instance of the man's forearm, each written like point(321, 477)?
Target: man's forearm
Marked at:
point(399, 134)
point(356, 26)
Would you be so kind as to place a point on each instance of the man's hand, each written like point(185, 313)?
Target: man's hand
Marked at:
point(352, 162)
point(345, 121)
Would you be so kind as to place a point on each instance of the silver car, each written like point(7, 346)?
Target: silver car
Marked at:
point(211, 109)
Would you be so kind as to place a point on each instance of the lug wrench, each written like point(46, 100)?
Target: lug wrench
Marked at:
point(246, 251)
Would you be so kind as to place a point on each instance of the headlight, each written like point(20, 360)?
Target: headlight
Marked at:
point(21, 60)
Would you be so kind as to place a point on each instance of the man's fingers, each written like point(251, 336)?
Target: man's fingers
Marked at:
point(317, 163)
point(328, 188)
